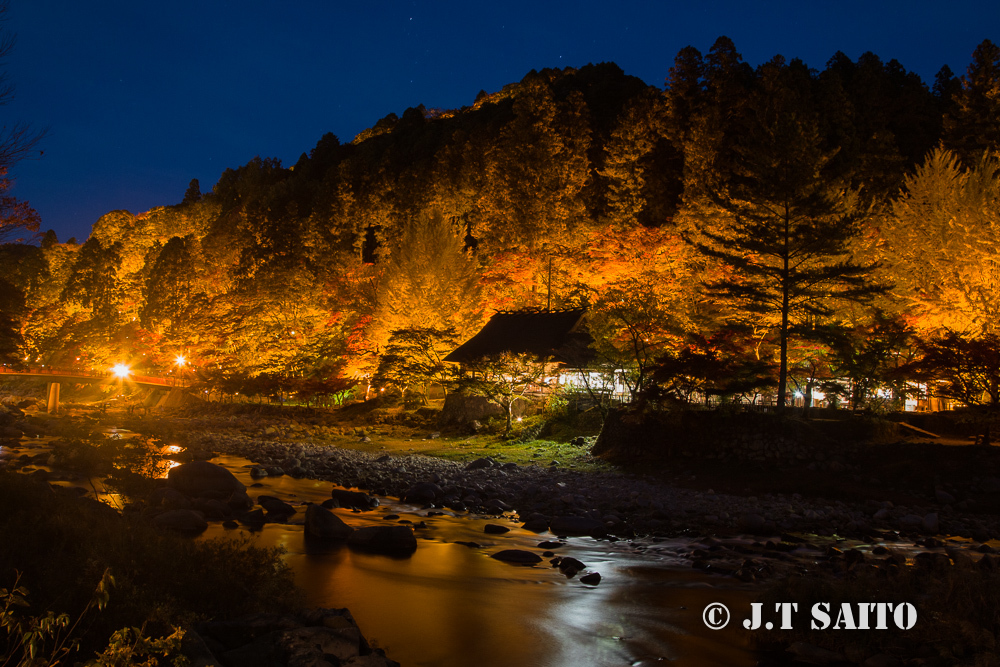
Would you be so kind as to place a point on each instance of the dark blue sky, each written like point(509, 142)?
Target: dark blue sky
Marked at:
point(141, 97)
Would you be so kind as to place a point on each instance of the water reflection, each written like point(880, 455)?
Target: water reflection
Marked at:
point(450, 605)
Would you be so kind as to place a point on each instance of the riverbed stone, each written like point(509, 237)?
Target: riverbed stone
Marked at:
point(312, 645)
point(495, 529)
point(537, 525)
point(517, 556)
point(354, 499)
point(322, 524)
point(253, 520)
point(479, 464)
point(239, 501)
point(392, 540)
point(422, 492)
point(182, 521)
point(591, 579)
point(212, 509)
point(275, 506)
point(202, 478)
point(570, 566)
point(168, 498)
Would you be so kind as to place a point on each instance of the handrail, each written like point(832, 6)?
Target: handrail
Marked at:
point(94, 375)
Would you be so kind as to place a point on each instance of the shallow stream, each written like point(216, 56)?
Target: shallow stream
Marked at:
point(451, 605)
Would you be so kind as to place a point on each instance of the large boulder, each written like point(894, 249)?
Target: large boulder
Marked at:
point(201, 478)
point(183, 521)
point(392, 540)
point(354, 499)
point(322, 524)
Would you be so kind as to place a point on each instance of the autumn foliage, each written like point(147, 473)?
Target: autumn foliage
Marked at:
point(662, 211)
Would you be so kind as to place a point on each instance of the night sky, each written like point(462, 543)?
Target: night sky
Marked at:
point(141, 97)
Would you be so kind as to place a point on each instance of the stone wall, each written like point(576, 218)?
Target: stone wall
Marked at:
point(633, 436)
point(461, 409)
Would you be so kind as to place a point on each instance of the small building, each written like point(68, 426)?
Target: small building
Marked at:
point(557, 336)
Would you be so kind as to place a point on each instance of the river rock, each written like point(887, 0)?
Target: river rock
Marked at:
point(494, 529)
point(183, 521)
point(536, 524)
point(239, 501)
point(591, 579)
point(931, 524)
point(168, 498)
point(313, 645)
point(517, 556)
point(570, 566)
point(275, 505)
point(214, 510)
point(577, 525)
point(478, 464)
point(497, 505)
point(254, 520)
point(201, 478)
point(354, 499)
point(393, 540)
point(422, 492)
point(322, 524)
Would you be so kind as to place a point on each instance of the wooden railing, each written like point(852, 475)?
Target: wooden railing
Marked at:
point(54, 372)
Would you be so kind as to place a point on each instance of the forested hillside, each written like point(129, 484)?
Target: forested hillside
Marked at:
point(635, 199)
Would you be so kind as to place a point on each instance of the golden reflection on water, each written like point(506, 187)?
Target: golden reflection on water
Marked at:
point(166, 451)
point(449, 605)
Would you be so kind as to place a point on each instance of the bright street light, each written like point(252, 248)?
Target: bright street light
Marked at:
point(121, 370)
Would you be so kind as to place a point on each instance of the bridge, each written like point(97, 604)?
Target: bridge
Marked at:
point(55, 376)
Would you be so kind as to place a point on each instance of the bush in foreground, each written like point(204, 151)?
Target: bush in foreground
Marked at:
point(58, 546)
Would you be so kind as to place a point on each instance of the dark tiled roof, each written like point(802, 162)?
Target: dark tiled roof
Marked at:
point(544, 333)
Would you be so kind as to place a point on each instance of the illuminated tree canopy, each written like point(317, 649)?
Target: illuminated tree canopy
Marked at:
point(571, 188)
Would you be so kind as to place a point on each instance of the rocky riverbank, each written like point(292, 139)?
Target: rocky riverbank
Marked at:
point(612, 503)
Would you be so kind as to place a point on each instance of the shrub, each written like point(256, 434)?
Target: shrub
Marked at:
point(64, 544)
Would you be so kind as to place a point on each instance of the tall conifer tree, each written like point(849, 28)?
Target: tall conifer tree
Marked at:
point(768, 212)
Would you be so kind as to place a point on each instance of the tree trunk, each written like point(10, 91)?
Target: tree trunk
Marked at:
point(807, 398)
point(783, 334)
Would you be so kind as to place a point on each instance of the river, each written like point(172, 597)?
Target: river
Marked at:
point(451, 605)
